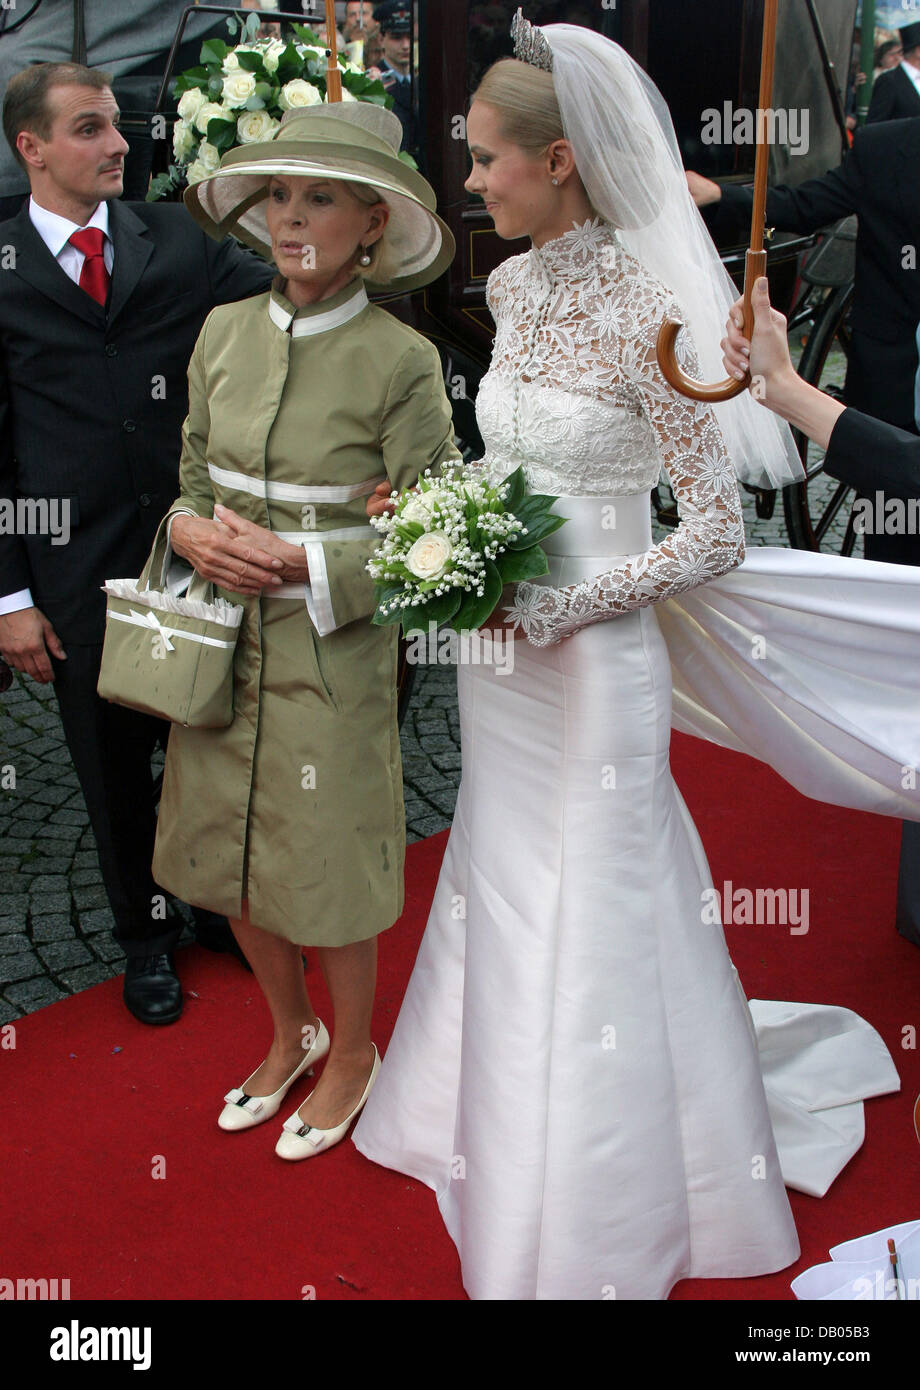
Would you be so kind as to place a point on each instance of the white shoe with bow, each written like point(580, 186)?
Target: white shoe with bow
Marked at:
point(300, 1140)
point(242, 1110)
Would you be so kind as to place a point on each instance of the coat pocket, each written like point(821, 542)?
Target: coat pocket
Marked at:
point(325, 667)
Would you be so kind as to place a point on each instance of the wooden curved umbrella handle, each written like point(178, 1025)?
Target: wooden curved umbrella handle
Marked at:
point(755, 264)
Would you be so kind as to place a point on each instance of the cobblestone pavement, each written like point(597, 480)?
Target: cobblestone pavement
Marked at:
point(55, 923)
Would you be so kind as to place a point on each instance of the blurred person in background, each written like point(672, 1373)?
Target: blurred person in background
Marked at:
point(896, 94)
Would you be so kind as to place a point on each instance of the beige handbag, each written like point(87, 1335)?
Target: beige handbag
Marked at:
point(168, 656)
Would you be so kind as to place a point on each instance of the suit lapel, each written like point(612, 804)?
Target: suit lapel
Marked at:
point(35, 264)
point(910, 95)
point(133, 249)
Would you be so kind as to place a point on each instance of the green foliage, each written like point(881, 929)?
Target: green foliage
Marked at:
point(474, 611)
point(516, 565)
point(222, 134)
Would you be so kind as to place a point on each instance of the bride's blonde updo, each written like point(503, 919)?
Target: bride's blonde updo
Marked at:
point(525, 99)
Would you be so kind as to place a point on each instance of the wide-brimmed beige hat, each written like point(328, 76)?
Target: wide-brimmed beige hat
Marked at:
point(354, 141)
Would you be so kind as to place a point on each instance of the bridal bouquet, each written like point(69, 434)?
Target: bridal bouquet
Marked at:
point(238, 95)
point(453, 543)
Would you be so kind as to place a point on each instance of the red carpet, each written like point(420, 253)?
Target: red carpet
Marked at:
point(116, 1176)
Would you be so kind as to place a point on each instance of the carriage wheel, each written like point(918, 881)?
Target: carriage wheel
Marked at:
point(819, 511)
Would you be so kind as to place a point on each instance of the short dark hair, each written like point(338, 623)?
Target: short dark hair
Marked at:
point(25, 105)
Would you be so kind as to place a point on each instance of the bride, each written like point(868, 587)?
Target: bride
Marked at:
point(575, 1070)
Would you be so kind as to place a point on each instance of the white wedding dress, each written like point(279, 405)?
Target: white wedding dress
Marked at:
point(575, 1070)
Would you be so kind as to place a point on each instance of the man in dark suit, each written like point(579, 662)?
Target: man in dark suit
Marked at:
point(880, 181)
point(896, 93)
point(101, 303)
point(395, 21)
point(860, 451)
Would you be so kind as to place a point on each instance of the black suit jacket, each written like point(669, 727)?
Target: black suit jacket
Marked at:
point(92, 400)
point(868, 454)
point(894, 97)
point(401, 92)
point(880, 181)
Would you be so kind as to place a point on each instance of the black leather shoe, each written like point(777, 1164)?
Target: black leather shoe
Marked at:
point(152, 991)
point(214, 933)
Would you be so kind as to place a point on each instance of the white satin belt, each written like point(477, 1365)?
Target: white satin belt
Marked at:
point(291, 492)
point(808, 662)
point(602, 525)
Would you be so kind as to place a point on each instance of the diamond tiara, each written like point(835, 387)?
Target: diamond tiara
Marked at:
point(530, 44)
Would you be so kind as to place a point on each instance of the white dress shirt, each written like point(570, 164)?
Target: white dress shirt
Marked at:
point(56, 231)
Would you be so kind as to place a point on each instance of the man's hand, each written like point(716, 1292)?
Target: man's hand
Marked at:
point(379, 503)
point(215, 552)
point(26, 638)
point(703, 191)
point(767, 355)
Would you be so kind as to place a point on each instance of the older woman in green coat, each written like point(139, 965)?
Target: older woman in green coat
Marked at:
point(301, 402)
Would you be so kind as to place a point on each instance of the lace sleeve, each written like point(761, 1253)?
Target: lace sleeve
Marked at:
point(710, 537)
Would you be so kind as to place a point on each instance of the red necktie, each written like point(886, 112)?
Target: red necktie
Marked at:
point(94, 278)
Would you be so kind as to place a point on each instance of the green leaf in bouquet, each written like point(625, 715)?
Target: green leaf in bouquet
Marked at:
point(437, 610)
point(412, 530)
point(517, 488)
point(232, 23)
point(474, 610)
point(289, 69)
point(215, 86)
point(221, 133)
point(515, 565)
point(255, 103)
point(251, 62)
point(213, 51)
point(537, 531)
point(251, 27)
point(404, 155)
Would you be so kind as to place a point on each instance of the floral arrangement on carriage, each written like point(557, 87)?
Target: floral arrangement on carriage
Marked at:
point(238, 96)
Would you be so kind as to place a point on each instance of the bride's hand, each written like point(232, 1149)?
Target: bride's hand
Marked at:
point(499, 621)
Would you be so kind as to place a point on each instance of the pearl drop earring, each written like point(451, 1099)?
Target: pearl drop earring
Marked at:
point(555, 183)
point(364, 258)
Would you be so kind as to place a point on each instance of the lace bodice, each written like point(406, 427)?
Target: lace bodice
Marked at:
point(575, 396)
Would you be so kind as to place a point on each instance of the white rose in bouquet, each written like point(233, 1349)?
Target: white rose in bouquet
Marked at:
point(210, 111)
point(231, 62)
point(420, 507)
point(271, 54)
point(347, 95)
point(298, 93)
point(239, 87)
point(208, 156)
point(195, 172)
point(190, 103)
point(255, 126)
point(429, 556)
point(184, 140)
